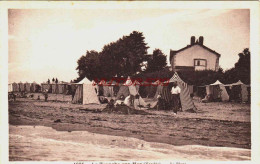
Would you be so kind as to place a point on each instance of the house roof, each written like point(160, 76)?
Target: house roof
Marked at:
point(174, 52)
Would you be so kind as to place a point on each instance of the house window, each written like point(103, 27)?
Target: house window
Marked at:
point(200, 62)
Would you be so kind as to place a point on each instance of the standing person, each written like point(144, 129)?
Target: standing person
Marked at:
point(46, 95)
point(175, 91)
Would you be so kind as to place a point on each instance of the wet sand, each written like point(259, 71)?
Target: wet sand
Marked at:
point(39, 143)
point(215, 124)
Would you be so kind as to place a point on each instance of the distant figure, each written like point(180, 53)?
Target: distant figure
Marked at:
point(46, 97)
point(14, 96)
point(38, 98)
point(175, 91)
point(45, 93)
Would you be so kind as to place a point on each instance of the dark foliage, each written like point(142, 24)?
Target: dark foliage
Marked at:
point(122, 58)
point(157, 62)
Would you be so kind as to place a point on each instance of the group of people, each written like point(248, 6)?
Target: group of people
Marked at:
point(133, 101)
point(174, 103)
point(130, 100)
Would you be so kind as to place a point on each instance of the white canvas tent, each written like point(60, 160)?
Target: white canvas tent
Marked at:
point(129, 88)
point(10, 88)
point(217, 90)
point(243, 90)
point(86, 93)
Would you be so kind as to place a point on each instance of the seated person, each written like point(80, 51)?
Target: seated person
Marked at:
point(120, 101)
point(159, 104)
point(111, 104)
point(129, 100)
point(102, 100)
point(206, 99)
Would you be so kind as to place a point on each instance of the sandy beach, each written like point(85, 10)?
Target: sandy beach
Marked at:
point(217, 126)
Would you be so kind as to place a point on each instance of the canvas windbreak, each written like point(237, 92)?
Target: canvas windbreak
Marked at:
point(21, 87)
point(15, 87)
point(10, 88)
point(123, 91)
point(27, 87)
point(158, 91)
point(78, 96)
point(108, 91)
point(33, 87)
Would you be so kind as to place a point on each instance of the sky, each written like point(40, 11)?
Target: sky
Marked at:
point(46, 43)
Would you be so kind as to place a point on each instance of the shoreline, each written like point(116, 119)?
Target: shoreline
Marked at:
point(96, 147)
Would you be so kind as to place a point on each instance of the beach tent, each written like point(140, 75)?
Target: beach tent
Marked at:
point(218, 91)
point(86, 93)
point(129, 88)
point(15, 87)
point(137, 102)
point(158, 91)
point(27, 87)
point(108, 88)
point(241, 88)
point(137, 85)
point(108, 91)
point(46, 86)
point(10, 88)
point(21, 87)
point(123, 90)
point(62, 88)
point(54, 88)
point(33, 87)
point(190, 88)
point(186, 101)
point(146, 90)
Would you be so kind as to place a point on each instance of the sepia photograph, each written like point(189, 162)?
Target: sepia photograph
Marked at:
point(129, 84)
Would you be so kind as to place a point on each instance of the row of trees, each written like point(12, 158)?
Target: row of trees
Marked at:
point(128, 57)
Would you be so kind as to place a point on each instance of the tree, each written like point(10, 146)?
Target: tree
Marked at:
point(124, 57)
point(241, 69)
point(89, 65)
point(157, 62)
point(121, 58)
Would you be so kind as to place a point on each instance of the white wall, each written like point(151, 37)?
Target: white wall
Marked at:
point(186, 57)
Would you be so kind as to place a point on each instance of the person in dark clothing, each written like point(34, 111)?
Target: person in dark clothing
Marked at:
point(175, 91)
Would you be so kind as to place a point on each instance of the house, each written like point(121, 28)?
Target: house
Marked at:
point(195, 56)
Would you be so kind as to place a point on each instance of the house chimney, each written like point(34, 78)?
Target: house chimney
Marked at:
point(201, 40)
point(192, 40)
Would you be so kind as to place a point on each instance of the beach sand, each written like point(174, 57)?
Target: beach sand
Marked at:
point(217, 126)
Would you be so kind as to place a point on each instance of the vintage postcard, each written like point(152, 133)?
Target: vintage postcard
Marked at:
point(130, 82)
